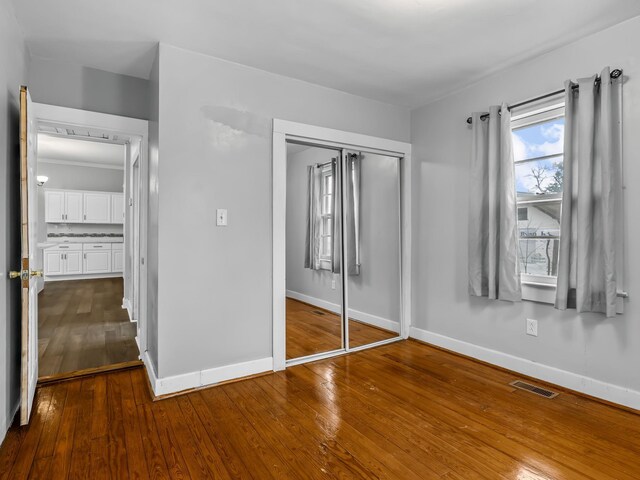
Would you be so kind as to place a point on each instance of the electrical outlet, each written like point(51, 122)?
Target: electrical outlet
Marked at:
point(532, 327)
point(333, 283)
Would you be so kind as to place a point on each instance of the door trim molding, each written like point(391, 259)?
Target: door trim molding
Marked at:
point(284, 130)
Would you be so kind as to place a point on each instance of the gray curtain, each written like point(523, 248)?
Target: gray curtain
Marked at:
point(493, 233)
point(352, 230)
point(592, 198)
point(314, 218)
point(352, 185)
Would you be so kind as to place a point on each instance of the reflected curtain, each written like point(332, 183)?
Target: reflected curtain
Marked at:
point(352, 185)
point(592, 199)
point(314, 218)
point(352, 207)
point(493, 234)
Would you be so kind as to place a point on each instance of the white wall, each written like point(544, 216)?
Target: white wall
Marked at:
point(85, 88)
point(13, 73)
point(376, 291)
point(607, 350)
point(215, 123)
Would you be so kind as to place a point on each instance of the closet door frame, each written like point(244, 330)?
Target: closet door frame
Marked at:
point(284, 131)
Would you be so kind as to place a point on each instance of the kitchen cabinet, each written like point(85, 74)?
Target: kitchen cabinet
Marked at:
point(75, 206)
point(117, 258)
point(78, 259)
point(97, 207)
point(63, 206)
point(117, 208)
point(63, 260)
point(97, 258)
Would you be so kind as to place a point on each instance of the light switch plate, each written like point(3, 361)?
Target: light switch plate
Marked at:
point(221, 217)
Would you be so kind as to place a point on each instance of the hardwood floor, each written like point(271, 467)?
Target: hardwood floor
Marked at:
point(401, 411)
point(82, 325)
point(312, 330)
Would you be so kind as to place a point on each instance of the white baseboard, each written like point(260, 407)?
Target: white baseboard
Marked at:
point(211, 376)
point(579, 383)
point(126, 304)
point(5, 423)
point(354, 314)
point(82, 276)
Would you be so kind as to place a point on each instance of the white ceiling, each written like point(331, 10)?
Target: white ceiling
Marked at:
point(399, 51)
point(79, 152)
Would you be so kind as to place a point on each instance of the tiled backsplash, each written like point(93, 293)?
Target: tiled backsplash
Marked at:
point(83, 229)
point(84, 235)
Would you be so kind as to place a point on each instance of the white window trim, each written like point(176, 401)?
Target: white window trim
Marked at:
point(326, 261)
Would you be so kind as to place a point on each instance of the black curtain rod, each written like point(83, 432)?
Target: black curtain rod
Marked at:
point(614, 74)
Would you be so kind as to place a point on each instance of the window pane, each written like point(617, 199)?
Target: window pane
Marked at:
point(539, 140)
point(539, 256)
point(326, 204)
point(326, 226)
point(326, 246)
point(539, 177)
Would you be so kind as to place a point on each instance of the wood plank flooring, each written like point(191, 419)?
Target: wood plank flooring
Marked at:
point(311, 329)
point(401, 411)
point(82, 325)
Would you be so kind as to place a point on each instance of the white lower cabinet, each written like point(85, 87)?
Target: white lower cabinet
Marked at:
point(97, 258)
point(117, 258)
point(63, 260)
point(83, 259)
point(73, 263)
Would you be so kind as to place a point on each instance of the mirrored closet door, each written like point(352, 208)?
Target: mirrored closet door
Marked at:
point(313, 248)
point(372, 247)
point(335, 194)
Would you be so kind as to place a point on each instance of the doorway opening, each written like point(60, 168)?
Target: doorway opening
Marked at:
point(88, 227)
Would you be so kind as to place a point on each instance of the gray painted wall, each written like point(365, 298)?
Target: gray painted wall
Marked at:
point(590, 345)
point(76, 86)
point(152, 219)
point(225, 111)
point(376, 291)
point(13, 58)
point(76, 177)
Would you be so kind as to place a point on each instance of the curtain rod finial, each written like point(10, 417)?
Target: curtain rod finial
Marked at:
point(469, 120)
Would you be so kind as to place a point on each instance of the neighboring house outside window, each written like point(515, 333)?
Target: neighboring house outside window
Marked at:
point(538, 146)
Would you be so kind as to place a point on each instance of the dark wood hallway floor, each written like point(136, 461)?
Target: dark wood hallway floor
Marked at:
point(402, 411)
point(81, 325)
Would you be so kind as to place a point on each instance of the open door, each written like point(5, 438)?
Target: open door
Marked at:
point(28, 229)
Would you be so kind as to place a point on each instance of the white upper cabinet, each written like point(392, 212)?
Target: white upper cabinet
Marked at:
point(117, 208)
point(54, 206)
point(73, 207)
point(97, 207)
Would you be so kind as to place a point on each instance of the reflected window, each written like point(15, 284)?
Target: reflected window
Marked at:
point(538, 143)
point(326, 212)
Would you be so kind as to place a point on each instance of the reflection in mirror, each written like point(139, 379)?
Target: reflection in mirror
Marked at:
point(313, 282)
point(372, 250)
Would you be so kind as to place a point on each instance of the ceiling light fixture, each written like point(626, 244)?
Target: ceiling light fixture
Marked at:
point(42, 179)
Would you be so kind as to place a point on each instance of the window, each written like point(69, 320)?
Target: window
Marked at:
point(538, 143)
point(326, 229)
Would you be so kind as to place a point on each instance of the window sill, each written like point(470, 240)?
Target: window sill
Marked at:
point(546, 293)
point(539, 292)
